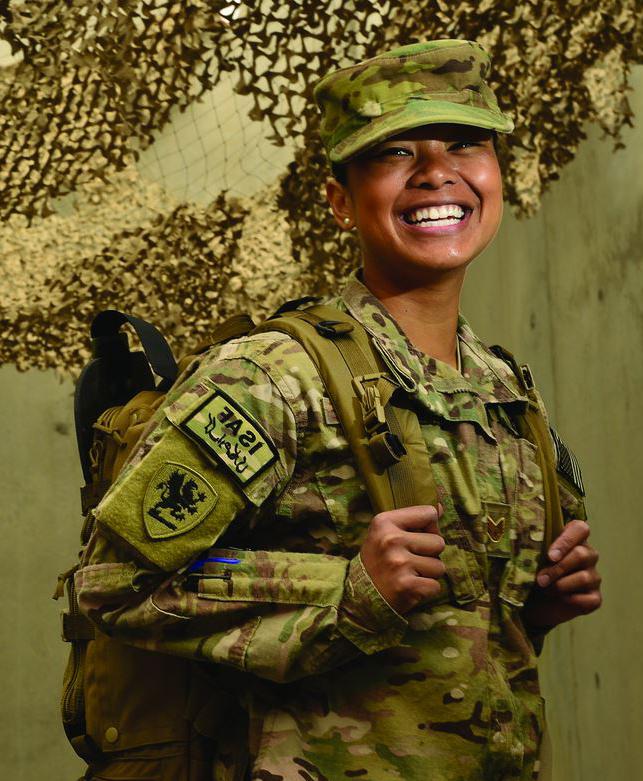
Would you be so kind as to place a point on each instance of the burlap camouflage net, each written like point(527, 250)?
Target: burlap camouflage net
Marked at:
point(90, 84)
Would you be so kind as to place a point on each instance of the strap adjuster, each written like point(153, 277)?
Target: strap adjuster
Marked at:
point(333, 328)
point(371, 402)
point(527, 377)
point(76, 627)
point(387, 448)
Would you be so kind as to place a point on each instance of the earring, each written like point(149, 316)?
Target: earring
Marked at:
point(347, 220)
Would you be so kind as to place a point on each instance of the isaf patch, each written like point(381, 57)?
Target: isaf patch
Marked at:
point(176, 500)
point(231, 435)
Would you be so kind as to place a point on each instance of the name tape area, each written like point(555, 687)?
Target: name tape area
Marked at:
point(231, 435)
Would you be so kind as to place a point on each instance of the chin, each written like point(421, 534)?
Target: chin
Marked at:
point(432, 264)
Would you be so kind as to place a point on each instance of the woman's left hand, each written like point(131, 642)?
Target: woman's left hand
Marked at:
point(571, 586)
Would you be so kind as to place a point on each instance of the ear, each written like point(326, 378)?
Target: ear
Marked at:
point(340, 202)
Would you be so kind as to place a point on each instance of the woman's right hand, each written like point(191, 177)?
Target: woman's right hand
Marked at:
point(401, 555)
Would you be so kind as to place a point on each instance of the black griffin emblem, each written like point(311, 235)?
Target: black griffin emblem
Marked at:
point(179, 497)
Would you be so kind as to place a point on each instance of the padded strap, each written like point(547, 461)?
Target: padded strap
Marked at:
point(232, 328)
point(535, 428)
point(377, 431)
point(386, 440)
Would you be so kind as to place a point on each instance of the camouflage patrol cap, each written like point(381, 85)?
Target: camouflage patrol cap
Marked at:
point(410, 86)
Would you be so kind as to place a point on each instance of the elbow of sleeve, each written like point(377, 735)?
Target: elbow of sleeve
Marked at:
point(284, 648)
point(107, 595)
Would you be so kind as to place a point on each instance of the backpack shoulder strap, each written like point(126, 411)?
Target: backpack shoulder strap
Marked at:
point(536, 429)
point(385, 439)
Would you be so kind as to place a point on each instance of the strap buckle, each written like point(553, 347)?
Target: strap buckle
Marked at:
point(386, 448)
point(527, 377)
point(333, 328)
point(371, 402)
point(76, 627)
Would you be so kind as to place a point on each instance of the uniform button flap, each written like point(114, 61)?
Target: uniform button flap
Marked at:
point(111, 734)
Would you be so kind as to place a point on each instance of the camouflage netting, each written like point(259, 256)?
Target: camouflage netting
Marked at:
point(90, 84)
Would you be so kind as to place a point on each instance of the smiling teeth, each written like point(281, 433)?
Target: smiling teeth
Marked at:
point(438, 214)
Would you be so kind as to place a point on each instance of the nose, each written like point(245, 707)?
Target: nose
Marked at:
point(433, 170)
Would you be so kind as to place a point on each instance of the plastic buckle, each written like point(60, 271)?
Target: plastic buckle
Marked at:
point(330, 329)
point(527, 377)
point(371, 402)
point(75, 627)
point(64, 629)
point(291, 306)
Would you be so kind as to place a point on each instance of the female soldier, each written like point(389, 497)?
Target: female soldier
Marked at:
point(399, 645)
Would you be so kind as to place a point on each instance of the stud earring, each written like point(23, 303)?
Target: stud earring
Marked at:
point(347, 220)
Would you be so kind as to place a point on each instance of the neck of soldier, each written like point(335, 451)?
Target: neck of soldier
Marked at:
point(426, 309)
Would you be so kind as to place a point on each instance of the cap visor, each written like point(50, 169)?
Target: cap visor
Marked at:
point(415, 114)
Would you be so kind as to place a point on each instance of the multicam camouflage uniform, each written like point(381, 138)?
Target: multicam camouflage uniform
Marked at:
point(232, 536)
point(335, 683)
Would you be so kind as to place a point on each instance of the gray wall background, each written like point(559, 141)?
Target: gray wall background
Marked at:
point(564, 291)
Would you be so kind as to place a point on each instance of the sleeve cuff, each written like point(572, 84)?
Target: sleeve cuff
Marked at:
point(365, 617)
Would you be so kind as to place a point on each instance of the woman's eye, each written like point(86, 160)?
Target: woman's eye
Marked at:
point(464, 144)
point(394, 151)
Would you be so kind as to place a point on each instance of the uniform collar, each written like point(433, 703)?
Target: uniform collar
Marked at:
point(485, 379)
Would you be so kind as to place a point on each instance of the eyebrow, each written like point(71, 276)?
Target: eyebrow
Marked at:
point(464, 136)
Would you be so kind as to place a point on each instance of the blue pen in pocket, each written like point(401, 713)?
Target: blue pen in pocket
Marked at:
point(198, 564)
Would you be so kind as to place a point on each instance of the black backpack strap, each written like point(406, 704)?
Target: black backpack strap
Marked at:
point(115, 374)
point(105, 330)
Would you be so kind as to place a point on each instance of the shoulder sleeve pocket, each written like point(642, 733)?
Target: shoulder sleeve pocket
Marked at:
point(172, 505)
point(230, 436)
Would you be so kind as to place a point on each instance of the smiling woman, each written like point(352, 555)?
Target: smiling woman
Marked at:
point(425, 203)
point(411, 136)
point(440, 182)
point(412, 633)
point(419, 180)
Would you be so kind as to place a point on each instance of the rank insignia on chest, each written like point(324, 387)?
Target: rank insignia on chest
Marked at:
point(497, 524)
point(176, 500)
point(229, 433)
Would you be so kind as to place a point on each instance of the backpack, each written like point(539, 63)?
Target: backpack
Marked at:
point(116, 396)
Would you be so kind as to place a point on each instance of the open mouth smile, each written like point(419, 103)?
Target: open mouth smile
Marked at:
point(447, 218)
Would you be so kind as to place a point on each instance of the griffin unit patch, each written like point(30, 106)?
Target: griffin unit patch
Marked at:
point(567, 464)
point(231, 435)
point(176, 500)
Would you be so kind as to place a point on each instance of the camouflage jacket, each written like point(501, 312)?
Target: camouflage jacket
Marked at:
point(232, 536)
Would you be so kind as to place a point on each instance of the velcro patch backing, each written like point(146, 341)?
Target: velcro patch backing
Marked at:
point(231, 435)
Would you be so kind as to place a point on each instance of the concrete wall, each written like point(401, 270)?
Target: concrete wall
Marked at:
point(39, 528)
point(563, 291)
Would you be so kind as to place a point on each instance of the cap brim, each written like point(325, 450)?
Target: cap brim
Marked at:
point(415, 114)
